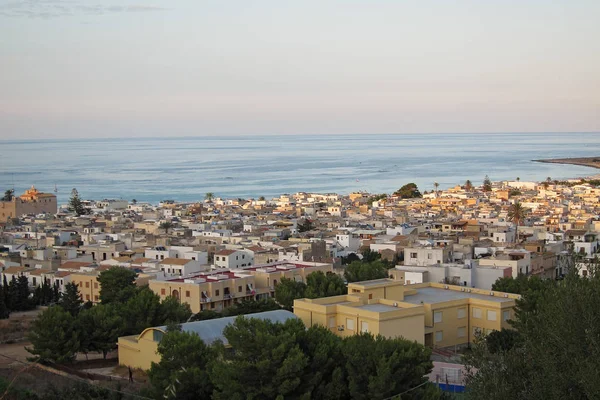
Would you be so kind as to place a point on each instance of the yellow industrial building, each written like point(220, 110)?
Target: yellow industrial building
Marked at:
point(432, 314)
point(140, 351)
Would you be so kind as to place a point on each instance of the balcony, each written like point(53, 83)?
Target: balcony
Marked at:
point(205, 300)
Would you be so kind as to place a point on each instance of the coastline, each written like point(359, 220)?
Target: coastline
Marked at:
point(592, 162)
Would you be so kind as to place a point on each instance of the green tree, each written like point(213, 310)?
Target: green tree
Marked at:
point(350, 258)
point(172, 311)
point(287, 291)
point(182, 372)
point(8, 195)
point(100, 328)
point(487, 184)
point(71, 300)
point(325, 376)
point(468, 185)
point(117, 285)
point(366, 271)
point(502, 340)
point(166, 226)
point(246, 307)
point(75, 204)
point(436, 186)
point(305, 225)
point(379, 368)
point(554, 354)
point(408, 191)
point(19, 294)
point(54, 336)
point(319, 284)
point(369, 255)
point(267, 362)
point(4, 311)
point(516, 214)
point(209, 196)
point(142, 311)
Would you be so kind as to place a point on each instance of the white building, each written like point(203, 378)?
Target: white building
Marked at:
point(184, 252)
point(233, 259)
point(173, 267)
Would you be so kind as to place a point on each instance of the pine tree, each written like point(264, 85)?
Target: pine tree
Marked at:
point(4, 313)
point(70, 300)
point(6, 292)
point(75, 203)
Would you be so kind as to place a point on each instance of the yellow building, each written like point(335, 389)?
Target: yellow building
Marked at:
point(221, 289)
point(30, 202)
point(139, 351)
point(89, 287)
point(436, 315)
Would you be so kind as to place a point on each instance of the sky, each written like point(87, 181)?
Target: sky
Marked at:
point(120, 68)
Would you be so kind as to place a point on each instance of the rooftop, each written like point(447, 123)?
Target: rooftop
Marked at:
point(377, 307)
point(212, 330)
point(430, 295)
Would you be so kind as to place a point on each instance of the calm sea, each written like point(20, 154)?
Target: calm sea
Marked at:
point(184, 169)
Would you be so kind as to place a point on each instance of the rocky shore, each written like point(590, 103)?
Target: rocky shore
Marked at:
point(593, 162)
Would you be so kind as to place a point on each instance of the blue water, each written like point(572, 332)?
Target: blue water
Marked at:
point(184, 169)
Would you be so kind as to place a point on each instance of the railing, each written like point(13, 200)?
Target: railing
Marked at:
point(227, 296)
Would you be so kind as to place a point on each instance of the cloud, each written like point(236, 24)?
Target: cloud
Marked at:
point(63, 8)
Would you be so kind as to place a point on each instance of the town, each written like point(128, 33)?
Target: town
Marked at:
point(422, 266)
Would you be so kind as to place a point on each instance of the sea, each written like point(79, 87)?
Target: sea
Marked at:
point(186, 168)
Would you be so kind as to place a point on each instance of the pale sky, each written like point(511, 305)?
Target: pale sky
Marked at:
point(93, 68)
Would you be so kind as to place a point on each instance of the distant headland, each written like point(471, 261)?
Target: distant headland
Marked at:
point(593, 162)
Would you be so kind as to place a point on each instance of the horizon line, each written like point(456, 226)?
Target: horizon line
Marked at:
point(248, 135)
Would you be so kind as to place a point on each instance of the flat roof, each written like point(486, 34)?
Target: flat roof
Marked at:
point(377, 282)
point(434, 295)
point(378, 307)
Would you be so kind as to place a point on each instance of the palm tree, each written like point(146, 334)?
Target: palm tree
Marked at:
point(516, 214)
point(166, 226)
point(468, 185)
point(518, 179)
point(209, 196)
point(436, 186)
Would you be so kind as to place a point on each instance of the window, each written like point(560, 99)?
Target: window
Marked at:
point(162, 292)
point(462, 313)
point(413, 255)
point(217, 292)
point(439, 336)
point(193, 258)
point(350, 324)
point(364, 326)
point(187, 293)
point(429, 256)
point(461, 331)
point(95, 285)
point(87, 297)
point(243, 256)
point(95, 298)
point(157, 335)
point(239, 289)
point(332, 322)
point(476, 312)
point(274, 282)
point(505, 315)
point(212, 305)
point(437, 317)
point(370, 296)
point(491, 315)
